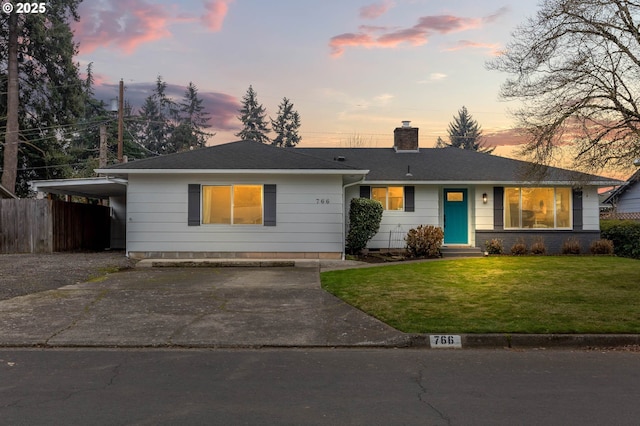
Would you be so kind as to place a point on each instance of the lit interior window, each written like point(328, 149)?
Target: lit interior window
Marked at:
point(537, 208)
point(238, 205)
point(391, 198)
point(247, 204)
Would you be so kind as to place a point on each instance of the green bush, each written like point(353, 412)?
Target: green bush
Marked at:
point(424, 241)
point(364, 221)
point(494, 246)
point(625, 235)
point(602, 247)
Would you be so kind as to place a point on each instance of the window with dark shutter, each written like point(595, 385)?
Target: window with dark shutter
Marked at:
point(269, 205)
point(365, 191)
point(409, 198)
point(193, 215)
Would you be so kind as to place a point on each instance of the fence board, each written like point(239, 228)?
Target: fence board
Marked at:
point(620, 216)
point(43, 226)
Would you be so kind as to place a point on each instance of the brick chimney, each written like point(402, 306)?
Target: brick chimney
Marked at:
point(405, 138)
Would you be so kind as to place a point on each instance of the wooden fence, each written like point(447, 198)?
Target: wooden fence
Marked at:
point(620, 216)
point(45, 226)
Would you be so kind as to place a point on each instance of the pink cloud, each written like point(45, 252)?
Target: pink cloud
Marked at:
point(120, 24)
point(126, 24)
point(509, 137)
point(375, 10)
point(216, 12)
point(416, 35)
point(468, 44)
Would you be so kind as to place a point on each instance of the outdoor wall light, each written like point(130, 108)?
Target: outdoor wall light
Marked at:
point(484, 198)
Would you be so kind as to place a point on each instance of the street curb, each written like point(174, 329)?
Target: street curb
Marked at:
point(506, 340)
point(416, 341)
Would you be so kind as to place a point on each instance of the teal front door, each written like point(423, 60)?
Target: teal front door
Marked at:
point(456, 218)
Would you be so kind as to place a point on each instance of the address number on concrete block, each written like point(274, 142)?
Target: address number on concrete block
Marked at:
point(445, 341)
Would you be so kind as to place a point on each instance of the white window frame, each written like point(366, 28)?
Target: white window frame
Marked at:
point(554, 204)
point(231, 204)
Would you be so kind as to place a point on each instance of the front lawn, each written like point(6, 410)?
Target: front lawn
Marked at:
point(536, 294)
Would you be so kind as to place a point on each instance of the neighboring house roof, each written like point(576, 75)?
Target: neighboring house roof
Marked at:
point(450, 165)
point(234, 156)
point(616, 193)
point(5, 193)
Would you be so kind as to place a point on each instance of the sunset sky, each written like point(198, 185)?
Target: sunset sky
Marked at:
point(349, 67)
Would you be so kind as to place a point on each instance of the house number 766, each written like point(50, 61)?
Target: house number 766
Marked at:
point(322, 201)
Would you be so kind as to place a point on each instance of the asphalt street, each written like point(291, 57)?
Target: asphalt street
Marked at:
point(318, 387)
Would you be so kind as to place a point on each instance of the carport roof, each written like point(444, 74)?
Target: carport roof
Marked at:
point(100, 187)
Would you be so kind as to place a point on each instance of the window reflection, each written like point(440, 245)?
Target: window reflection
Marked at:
point(537, 207)
point(238, 204)
point(391, 198)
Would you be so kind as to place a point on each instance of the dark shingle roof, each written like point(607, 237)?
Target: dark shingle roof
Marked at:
point(384, 164)
point(242, 155)
point(448, 164)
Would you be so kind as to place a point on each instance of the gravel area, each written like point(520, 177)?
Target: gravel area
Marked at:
point(22, 274)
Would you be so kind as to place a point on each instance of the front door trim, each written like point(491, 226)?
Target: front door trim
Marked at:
point(456, 215)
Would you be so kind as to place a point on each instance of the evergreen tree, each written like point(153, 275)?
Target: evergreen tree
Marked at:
point(84, 150)
point(192, 120)
point(40, 93)
point(252, 116)
point(286, 125)
point(156, 121)
point(440, 143)
point(465, 133)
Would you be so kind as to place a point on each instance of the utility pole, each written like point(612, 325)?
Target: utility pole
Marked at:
point(120, 121)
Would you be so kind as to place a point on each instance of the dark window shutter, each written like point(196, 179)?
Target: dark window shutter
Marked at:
point(577, 210)
point(194, 205)
point(409, 198)
point(365, 191)
point(498, 208)
point(269, 205)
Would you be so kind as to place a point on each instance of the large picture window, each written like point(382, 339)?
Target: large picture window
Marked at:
point(232, 204)
point(537, 208)
point(391, 197)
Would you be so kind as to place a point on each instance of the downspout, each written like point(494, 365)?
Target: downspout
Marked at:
point(344, 208)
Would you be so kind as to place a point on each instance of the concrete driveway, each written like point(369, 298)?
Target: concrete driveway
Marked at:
point(192, 307)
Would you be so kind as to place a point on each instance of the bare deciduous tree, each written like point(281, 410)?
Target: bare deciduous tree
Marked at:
point(575, 67)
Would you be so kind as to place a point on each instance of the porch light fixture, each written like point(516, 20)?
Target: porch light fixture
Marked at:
point(484, 198)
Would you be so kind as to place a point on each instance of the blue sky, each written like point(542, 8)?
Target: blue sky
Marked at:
point(349, 67)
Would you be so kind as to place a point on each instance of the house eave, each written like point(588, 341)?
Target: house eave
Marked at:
point(125, 172)
point(487, 182)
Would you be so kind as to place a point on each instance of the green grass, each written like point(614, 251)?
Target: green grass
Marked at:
point(537, 294)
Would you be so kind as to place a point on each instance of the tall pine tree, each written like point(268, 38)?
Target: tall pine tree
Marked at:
point(465, 133)
point(156, 120)
point(41, 93)
point(286, 125)
point(192, 121)
point(84, 149)
point(253, 116)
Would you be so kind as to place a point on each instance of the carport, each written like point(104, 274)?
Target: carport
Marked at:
point(101, 188)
